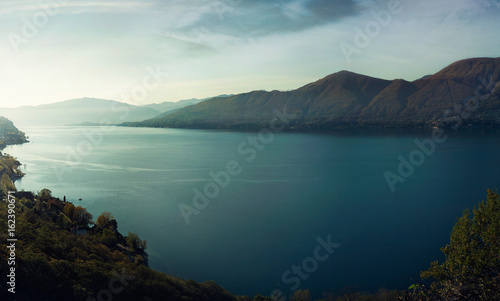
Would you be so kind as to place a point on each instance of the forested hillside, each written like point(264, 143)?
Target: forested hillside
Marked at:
point(9, 134)
point(466, 93)
point(61, 254)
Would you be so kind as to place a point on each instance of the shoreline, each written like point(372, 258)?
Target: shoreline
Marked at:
point(342, 127)
point(15, 173)
point(10, 167)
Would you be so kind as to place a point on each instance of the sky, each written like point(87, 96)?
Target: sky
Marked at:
point(151, 51)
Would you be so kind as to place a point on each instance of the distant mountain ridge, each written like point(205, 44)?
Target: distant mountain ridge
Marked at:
point(468, 90)
point(88, 111)
point(77, 111)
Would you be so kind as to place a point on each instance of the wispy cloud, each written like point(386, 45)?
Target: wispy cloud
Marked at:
point(243, 22)
point(296, 9)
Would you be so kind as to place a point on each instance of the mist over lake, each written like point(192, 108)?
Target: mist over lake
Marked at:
point(300, 187)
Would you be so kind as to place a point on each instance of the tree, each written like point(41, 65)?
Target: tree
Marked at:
point(472, 258)
point(69, 210)
point(6, 183)
point(262, 298)
point(134, 242)
point(44, 195)
point(300, 295)
point(82, 217)
point(108, 237)
point(106, 220)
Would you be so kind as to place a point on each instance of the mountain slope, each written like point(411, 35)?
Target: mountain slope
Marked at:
point(456, 85)
point(392, 100)
point(168, 106)
point(346, 99)
point(332, 96)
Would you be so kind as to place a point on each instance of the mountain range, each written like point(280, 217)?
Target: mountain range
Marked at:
point(465, 92)
point(88, 111)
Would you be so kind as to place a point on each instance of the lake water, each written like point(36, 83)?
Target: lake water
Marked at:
point(297, 188)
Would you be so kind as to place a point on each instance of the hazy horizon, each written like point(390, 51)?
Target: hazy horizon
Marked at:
point(168, 51)
point(88, 97)
point(178, 100)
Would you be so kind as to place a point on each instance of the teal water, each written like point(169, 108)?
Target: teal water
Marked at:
point(299, 187)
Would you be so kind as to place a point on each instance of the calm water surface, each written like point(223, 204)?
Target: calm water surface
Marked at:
point(301, 186)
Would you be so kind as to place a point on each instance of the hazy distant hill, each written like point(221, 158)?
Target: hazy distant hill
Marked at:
point(77, 111)
point(347, 99)
point(89, 111)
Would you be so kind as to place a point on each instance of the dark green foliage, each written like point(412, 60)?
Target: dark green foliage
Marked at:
point(6, 184)
point(9, 134)
point(474, 249)
point(54, 263)
point(471, 270)
point(380, 295)
point(107, 237)
point(8, 173)
point(44, 195)
point(300, 295)
point(69, 210)
point(134, 242)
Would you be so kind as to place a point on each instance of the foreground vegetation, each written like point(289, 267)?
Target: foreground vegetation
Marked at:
point(9, 172)
point(471, 270)
point(62, 255)
point(9, 134)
